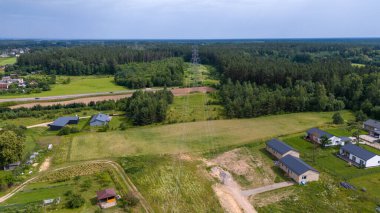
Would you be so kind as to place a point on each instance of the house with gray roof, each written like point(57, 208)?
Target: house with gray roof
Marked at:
point(358, 156)
point(280, 149)
point(298, 170)
point(373, 127)
point(100, 120)
point(63, 121)
point(315, 135)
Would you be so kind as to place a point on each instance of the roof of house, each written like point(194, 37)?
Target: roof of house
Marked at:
point(279, 146)
point(319, 132)
point(358, 151)
point(296, 165)
point(346, 139)
point(100, 117)
point(105, 194)
point(373, 123)
point(62, 121)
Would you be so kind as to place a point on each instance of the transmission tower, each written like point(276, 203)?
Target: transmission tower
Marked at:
point(195, 56)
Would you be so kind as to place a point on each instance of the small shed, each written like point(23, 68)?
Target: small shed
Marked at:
point(12, 166)
point(106, 198)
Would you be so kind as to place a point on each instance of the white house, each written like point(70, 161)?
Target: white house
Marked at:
point(358, 156)
point(315, 134)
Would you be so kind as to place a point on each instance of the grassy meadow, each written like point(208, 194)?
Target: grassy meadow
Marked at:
point(6, 61)
point(193, 107)
point(191, 137)
point(170, 184)
point(77, 85)
point(200, 75)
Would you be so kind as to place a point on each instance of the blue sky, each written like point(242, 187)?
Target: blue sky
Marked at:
point(188, 19)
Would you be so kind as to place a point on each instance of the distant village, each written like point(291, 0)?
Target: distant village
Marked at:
point(14, 52)
point(7, 81)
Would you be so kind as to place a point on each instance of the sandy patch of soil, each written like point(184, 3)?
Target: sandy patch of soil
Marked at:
point(45, 165)
point(226, 200)
point(250, 166)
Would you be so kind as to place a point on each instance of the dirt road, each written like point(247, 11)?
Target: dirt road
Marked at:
point(231, 188)
point(86, 100)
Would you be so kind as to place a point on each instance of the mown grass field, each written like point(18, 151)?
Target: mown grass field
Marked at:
point(172, 185)
point(191, 137)
point(6, 61)
point(77, 85)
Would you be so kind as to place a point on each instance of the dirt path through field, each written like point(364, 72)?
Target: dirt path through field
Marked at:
point(86, 100)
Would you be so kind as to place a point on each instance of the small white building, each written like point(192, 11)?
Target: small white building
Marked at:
point(358, 156)
point(315, 134)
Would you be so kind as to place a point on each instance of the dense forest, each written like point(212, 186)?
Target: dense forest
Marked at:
point(166, 72)
point(145, 108)
point(257, 77)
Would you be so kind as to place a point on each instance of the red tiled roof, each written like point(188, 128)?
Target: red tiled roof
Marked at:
point(105, 194)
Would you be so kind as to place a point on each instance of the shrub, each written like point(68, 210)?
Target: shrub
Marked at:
point(75, 201)
point(337, 118)
point(131, 199)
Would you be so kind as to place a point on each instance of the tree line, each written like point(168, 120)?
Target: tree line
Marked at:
point(166, 72)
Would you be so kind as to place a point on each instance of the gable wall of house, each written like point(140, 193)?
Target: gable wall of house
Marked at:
point(310, 176)
point(375, 161)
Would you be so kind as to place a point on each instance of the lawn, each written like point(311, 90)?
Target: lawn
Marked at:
point(192, 137)
point(77, 85)
point(193, 107)
point(6, 61)
point(172, 185)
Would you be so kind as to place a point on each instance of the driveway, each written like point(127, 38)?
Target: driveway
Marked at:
point(259, 190)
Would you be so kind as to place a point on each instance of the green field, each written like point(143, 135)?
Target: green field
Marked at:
point(6, 61)
point(77, 85)
point(357, 65)
point(192, 137)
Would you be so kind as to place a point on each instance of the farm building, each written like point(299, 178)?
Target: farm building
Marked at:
point(358, 156)
point(63, 121)
point(106, 198)
point(100, 120)
point(373, 127)
point(298, 170)
point(315, 134)
point(280, 149)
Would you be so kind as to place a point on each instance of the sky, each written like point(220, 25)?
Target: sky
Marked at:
point(188, 19)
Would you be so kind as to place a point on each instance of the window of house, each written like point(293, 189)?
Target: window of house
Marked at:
point(304, 177)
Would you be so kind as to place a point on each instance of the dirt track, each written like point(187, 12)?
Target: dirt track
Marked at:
point(176, 92)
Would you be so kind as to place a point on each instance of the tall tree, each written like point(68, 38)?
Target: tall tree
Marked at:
point(11, 147)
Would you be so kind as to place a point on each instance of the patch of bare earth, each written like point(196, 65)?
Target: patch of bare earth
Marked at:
point(226, 200)
point(250, 166)
point(45, 165)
